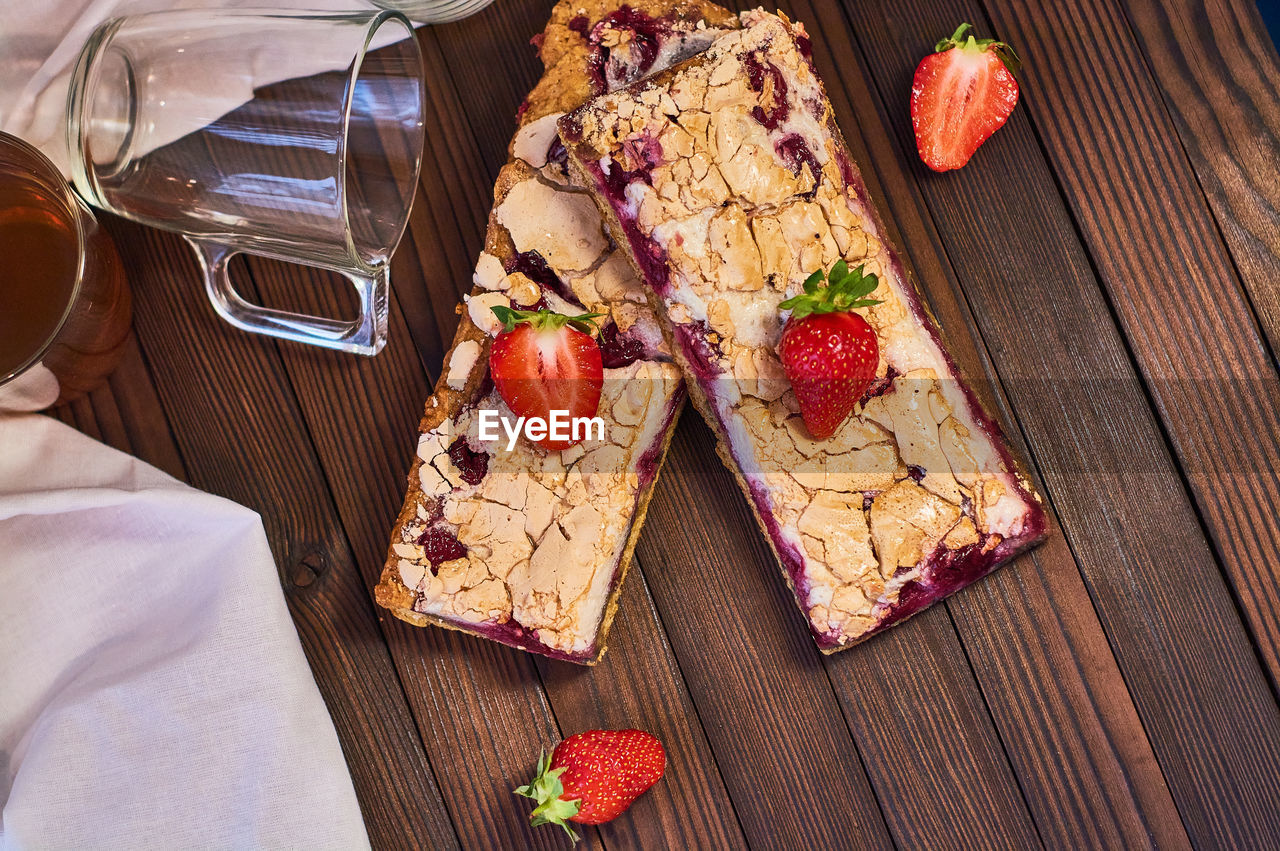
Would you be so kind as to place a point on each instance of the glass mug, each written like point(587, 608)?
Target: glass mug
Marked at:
point(434, 11)
point(185, 121)
point(65, 308)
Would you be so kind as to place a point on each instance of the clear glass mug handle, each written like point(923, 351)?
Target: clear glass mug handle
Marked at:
point(364, 335)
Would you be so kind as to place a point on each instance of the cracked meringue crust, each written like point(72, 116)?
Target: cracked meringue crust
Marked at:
point(729, 183)
point(530, 548)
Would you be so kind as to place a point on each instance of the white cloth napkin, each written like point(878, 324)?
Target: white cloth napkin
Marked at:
point(152, 688)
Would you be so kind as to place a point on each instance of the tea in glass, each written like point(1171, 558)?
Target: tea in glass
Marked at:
point(65, 307)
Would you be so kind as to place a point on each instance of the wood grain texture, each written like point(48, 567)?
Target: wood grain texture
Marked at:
point(1103, 763)
point(1107, 469)
point(1219, 76)
point(774, 724)
point(1170, 280)
point(127, 415)
point(927, 740)
point(691, 807)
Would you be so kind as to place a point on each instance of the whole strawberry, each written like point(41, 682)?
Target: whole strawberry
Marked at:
point(593, 777)
point(962, 93)
point(828, 352)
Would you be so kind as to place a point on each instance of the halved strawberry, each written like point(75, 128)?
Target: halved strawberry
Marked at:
point(829, 353)
point(544, 362)
point(961, 94)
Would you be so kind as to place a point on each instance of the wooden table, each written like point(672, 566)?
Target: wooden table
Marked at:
point(1107, 270)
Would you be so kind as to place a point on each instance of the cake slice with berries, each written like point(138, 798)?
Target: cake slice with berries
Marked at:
point(529, 546)
point(877, 478)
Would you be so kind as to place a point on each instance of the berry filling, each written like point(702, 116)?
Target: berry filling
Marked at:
point(946, 571)
point(795, 154)
point(440, 545)
point(618, 178)
point(613, 184)
point(880, 386)
point(618, 349)
point(703, 359)
point(532, 265)
point(558, 156)
point(609, 67)
point(805, 46)
point(471, 465)
point(765, 78)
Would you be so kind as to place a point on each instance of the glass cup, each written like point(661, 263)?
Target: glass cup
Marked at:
point(290, 135)
point(65, 308)
point(434, 11)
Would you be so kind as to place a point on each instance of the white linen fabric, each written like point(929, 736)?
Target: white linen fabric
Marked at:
point(152, 688)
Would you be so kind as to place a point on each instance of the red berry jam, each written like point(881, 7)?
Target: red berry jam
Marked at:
point(758, 74)
point(440, 545)
point(617, 349)
point(795, 153)
point(471, 465)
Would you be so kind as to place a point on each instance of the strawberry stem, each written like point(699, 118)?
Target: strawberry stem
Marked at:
point(544, 320)
point(845, 290)
point(546, 790)
point(956, 39)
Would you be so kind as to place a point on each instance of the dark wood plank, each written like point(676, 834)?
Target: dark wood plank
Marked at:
point(928, 741)
point(1219, 76)
point(492, 66)
point(133, 393)
point(484, 716)
point(127, 415)
point(1032, 289)
point(774, 724)
point(690, 808)
point(1170, 281)
point(1023, 652)
point(240, 435)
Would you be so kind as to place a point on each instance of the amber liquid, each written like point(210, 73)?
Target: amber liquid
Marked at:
point(39, 260)
point(39, 254)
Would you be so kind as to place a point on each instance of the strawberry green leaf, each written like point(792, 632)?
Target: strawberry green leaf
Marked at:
point(1008, 57)
point(965, 40)
point(811, 282)
point(546, 790)
point(839, 271)
point(846, 290)
point(544, 319)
